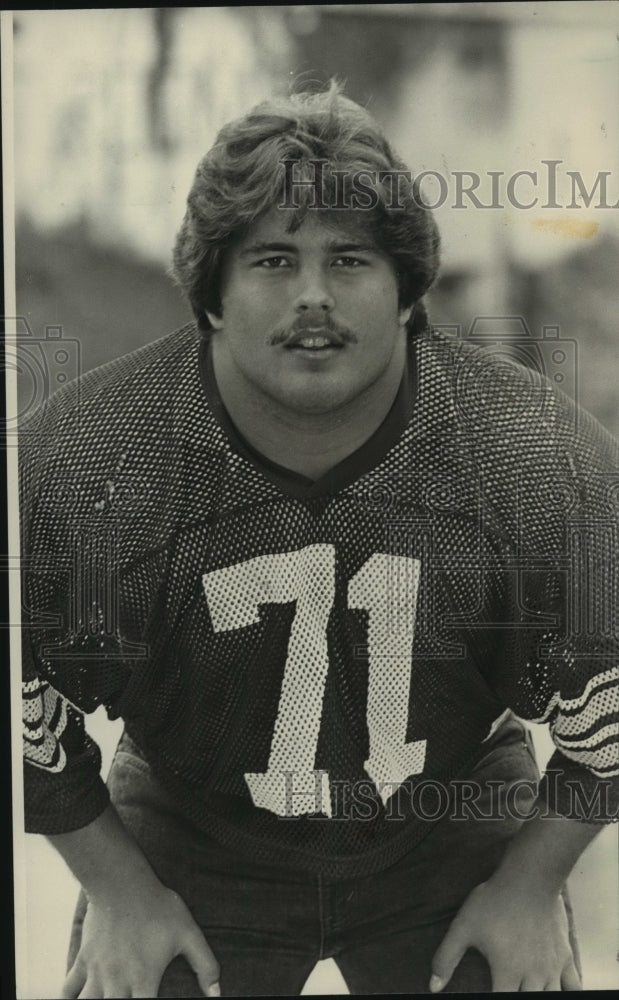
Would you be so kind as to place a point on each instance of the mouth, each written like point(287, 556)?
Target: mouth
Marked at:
point(315, 340)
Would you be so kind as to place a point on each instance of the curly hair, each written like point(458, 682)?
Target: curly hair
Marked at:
point(243, 176)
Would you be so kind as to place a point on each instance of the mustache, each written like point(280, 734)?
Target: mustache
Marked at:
point(323, 326)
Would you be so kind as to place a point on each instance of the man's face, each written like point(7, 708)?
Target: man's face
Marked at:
point(310, 320)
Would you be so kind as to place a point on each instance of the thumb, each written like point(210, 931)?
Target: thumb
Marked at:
point(203, 962)
point(570, 978)
point(448, 955)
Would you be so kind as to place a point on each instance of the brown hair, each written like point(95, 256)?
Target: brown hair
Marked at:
point(243, 176)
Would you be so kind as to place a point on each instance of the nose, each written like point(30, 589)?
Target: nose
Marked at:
point(314, 292)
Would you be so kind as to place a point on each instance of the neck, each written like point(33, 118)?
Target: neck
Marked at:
point(308, 443)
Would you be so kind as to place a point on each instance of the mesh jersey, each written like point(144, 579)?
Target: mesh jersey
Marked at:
point(279, 648)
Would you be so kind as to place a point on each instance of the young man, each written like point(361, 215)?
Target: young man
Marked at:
point(315, 554)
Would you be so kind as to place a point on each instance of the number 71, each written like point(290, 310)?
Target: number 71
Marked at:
point(386, 587)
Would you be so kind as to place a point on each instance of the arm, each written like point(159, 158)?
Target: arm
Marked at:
point(134, 925)
point(517, 919)
point(567, 676)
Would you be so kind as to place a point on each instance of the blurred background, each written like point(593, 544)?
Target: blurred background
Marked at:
point(114, 108)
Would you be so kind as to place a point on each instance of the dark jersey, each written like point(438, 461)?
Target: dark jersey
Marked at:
point(295, 658)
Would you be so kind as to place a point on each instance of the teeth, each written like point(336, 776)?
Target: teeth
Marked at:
point(313, 343)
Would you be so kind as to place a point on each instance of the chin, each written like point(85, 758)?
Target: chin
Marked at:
point(313, 407)
point(326, 402)
point(317, 397)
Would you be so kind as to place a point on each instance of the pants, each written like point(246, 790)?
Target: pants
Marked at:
point(269, 926)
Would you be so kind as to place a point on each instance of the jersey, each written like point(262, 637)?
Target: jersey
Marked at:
point(297, 659)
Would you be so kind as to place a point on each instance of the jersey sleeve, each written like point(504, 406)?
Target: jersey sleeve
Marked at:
point(63, 789)
point(566, 673)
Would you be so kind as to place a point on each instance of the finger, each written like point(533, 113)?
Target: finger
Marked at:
point(570, 977)
point(91, 991)
point(111, 991)
point(74, 982)
point(448, 955)
point(505, 982)
point(534, 984)
point(147, 989)
point(203, 962)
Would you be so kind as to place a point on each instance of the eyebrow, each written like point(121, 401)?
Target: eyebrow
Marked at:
point(332, 247)
point(264, 247)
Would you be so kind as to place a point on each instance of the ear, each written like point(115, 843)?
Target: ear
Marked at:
point(217, 322)
point(404, 315)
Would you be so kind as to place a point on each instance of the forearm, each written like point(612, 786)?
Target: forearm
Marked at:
point(543, 853)
point(134, 926)
point(517, 919)
point(105, 858)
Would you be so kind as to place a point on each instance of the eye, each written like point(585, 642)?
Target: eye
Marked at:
point(273, 263)
point(349, 262)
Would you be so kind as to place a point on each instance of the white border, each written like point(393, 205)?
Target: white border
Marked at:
point(19, 873)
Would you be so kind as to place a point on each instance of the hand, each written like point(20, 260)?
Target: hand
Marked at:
point(523, 937)
point(125, 948)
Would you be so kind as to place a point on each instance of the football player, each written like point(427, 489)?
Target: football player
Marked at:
point(321, 559)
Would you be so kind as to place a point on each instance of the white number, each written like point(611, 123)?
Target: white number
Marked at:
point(234, 595)
point(386, 586)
